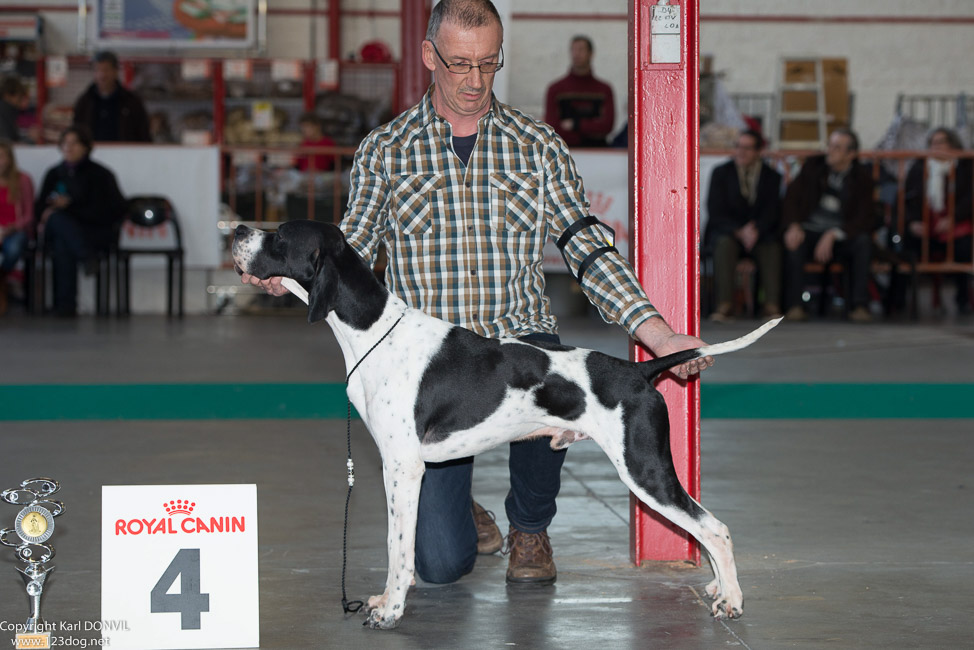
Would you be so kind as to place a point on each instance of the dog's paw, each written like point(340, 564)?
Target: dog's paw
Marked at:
point(713, 589)
point(724, 608)
point(376, 602)
point(377, 621)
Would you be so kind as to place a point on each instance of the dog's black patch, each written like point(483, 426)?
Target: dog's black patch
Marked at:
point(561, 397)
point(646, 440)
point(465, 382)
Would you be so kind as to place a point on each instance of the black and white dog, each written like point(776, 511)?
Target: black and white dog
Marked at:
point(434, 391)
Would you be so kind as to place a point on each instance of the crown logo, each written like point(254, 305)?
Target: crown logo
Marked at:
point(179, 507)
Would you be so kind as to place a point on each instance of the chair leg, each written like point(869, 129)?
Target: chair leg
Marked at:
point(170, 276)
point(182, 284)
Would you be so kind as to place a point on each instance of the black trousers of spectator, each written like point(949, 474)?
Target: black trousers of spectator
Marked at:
point(853, 253)
point(64, 241)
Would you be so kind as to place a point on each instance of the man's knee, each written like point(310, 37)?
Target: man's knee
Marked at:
point(443, 568)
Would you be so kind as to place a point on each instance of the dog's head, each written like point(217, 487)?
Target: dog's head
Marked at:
point(309, 252)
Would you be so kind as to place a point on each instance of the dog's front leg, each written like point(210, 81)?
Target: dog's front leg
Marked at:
point(402, 481)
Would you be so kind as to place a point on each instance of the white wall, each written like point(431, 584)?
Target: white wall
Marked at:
point(885, 57)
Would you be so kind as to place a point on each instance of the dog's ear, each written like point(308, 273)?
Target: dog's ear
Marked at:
point(323, 288)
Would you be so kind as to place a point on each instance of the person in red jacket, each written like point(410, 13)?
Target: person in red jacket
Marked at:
point(579, 106)
point(313, 136)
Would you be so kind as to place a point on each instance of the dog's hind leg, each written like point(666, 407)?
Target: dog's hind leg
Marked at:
point(402, 477)
point(645, 465)
point(713, 535)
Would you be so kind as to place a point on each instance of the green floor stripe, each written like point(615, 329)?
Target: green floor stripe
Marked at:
point(317, 401)
point(172, 401)
point(819, 401)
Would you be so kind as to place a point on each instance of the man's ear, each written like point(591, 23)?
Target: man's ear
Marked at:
point(323, 288)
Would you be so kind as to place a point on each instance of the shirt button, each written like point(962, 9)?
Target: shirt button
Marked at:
point(468, 184)
point(473, 271)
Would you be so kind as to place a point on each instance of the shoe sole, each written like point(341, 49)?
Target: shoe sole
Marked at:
point(541, 582)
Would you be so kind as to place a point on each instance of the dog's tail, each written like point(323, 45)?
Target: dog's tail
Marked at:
point(653, 368)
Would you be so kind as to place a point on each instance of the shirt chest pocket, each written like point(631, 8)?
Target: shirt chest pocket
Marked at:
point(515, 200)
point(417, 199)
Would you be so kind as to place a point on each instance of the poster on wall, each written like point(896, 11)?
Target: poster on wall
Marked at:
point(175, 23)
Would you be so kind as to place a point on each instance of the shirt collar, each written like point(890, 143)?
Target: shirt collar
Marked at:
point(429, 116)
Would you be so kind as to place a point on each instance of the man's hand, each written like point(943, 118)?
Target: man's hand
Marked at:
point(272, 286)
point(747, 235)
point(656, 335)
point(794, 237)
point(823, 249)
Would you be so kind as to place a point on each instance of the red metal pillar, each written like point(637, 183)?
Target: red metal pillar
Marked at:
point(335, 30)
point(664, 126)
point(414, 78)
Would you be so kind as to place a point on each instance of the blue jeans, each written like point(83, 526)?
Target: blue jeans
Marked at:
point(12, 249)
point(446, 536)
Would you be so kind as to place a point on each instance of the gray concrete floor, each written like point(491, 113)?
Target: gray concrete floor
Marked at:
point(848, 533)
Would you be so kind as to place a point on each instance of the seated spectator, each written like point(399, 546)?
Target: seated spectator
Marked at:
point(79, 206)
point(313, 136)
point(579, 106)
point(16, 215)
point(110, 111)
point(928, 181)
point(744, 208)
point(13, 95)
point(828, 215)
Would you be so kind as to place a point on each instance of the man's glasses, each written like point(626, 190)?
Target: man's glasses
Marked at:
point(463, 68)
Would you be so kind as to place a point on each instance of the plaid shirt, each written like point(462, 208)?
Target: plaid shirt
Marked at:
point(465, 244)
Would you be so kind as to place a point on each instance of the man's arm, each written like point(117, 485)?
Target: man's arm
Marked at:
point(366, 218)
point(609, 283)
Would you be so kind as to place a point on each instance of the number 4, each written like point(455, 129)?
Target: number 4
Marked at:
point(189, 602)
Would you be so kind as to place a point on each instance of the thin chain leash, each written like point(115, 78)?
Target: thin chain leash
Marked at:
point(354, 606)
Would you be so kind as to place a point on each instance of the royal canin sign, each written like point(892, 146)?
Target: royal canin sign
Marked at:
point(187, 525)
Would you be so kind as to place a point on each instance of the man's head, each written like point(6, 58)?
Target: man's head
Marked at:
point(13, 91)
point(581, 51)
point(748, 149)
point(842, 150)
point(105, 71)
point(463, 32)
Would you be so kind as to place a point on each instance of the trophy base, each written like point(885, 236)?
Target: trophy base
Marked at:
point(34, 577)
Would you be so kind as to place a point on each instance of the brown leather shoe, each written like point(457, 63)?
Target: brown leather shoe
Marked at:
point(531, 560)
point(489, 538)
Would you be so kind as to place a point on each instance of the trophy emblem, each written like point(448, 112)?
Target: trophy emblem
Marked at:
point(34, 526)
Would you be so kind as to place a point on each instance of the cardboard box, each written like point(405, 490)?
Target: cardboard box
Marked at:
point(805, 131)
point(835, 82)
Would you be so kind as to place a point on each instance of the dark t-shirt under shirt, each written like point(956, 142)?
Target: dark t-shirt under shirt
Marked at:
point(463, 146)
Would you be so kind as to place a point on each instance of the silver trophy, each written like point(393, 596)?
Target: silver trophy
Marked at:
point(34, 526)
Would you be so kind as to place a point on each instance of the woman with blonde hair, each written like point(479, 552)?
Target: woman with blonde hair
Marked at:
point(16, 215)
